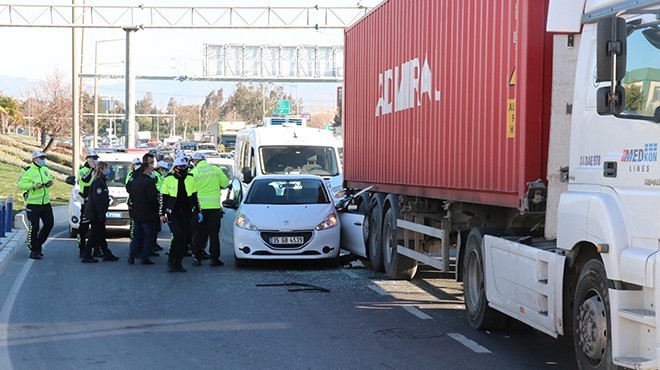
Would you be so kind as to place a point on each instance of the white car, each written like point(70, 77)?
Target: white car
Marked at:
point(283, 217)
point(117, 215)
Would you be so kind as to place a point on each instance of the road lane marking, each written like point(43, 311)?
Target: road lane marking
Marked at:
point(350, 273)
point(377, 289)
point(417, 312)
point(474, 346)
point(5, 362)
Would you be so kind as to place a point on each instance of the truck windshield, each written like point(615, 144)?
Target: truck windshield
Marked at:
point(316, 160)
point(642, 80)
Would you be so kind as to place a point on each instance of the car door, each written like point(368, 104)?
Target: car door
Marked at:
point(235, 192)
point(352, 225)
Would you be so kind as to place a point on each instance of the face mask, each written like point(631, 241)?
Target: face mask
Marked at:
point(106, 172)
point(42, 162)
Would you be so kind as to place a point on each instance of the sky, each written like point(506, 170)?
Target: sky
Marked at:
point(38, 52)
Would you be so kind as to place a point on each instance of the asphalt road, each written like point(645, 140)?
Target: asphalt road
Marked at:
point(58, 313)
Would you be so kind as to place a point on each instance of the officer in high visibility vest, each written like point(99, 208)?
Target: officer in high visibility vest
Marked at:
point(209, 180)
point(161, 171)
point(180, 207)
point(36, 181)
point(84, 182)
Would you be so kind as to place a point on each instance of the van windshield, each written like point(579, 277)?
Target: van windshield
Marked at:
point(316, 160)
point(118, 173)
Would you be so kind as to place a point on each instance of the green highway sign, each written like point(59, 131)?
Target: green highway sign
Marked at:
point(283, 107)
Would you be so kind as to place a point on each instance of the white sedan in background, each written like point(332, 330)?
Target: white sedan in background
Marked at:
point(283, 217)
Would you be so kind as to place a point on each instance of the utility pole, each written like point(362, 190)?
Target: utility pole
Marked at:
point(75, 116)
point(130, 88)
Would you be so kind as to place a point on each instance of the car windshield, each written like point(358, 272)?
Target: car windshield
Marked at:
point(315, 160)
point(188, 146)
point(287, 191)
point(118, 173)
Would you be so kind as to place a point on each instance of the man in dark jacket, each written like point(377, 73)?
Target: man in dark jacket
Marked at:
point(146, 211)
point(97, 206)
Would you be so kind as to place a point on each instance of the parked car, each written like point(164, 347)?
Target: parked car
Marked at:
point(283, 217)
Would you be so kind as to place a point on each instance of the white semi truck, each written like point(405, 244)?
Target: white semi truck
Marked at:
point(518, 142)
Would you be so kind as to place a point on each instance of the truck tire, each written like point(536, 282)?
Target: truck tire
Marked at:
point(375, 241)
point(397, 266)
point(591, 318)
point(479, 314)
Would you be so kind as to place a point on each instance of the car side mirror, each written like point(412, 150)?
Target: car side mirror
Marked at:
point(71, 180)
point(230, 203)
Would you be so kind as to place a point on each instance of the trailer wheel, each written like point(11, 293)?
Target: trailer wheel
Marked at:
point(374, 243)
point(591, 318)
point(397, 266)
point(479, 314)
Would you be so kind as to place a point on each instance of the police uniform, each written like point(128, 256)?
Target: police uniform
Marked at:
point(180, 205)
point(84, 181)
point(99, 201)
point(209, 180)
point(37, 202)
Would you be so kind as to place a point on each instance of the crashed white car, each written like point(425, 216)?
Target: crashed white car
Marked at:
point(283, 217)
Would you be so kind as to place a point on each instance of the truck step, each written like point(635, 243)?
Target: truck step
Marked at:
point(642, 316)
point(633, 362)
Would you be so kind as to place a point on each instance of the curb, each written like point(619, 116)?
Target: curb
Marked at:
point(13, 242)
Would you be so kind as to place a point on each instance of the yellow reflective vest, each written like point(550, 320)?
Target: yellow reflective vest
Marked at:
point(209, 180)
point(32, 176)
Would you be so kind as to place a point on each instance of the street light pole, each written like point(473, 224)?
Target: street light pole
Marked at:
point(75, 116)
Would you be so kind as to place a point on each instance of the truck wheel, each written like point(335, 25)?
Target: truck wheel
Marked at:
point(397, 266)
point(479, 314)
point(591, 318)
point(375, 242)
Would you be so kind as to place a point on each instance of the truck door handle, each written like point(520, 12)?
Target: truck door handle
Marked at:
point(609, 169)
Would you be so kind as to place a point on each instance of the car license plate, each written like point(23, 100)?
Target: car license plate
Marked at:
point(113, 214)
point(287, 240)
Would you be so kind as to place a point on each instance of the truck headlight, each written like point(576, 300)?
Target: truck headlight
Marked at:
point(244, 223)
point(329, 222)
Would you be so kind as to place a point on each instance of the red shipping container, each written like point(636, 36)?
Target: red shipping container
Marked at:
point(448, 99)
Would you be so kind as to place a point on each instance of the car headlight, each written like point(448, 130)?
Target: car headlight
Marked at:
point(338, 192)
point(328, 223)
point(244, 223)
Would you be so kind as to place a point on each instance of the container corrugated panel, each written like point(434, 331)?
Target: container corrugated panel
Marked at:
point(448, 99)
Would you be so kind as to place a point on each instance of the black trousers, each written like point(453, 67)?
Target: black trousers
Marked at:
point(179, 223)
point(83, 228)
point(37, 236)
point(208, 229)
point(97, 239)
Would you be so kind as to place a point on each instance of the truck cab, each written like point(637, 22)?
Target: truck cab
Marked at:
point(289, 149)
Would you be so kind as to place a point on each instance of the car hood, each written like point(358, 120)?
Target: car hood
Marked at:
point(286, 216)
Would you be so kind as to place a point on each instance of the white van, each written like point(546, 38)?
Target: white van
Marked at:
point(120, 161)
point(289, 150)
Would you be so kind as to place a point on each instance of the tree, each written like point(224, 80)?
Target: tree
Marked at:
point(145, 106)
point(51, 105)
point(252, 103)
point(212, 107)
point(10, 114)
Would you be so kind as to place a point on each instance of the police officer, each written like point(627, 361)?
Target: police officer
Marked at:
point(84, 181)
point(99, 200)
point(146, 206)
point(35, 182)
point(180, 206)
point(209, 179)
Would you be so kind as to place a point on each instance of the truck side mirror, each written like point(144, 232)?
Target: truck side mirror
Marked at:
point(611, 49)
point(71, 180)
point(247, 175)
point(608, 103)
